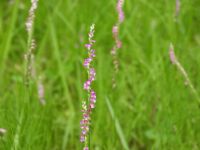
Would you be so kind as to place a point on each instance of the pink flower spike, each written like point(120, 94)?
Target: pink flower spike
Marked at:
point(92, 105)
point(118, 43)
point(88, 105)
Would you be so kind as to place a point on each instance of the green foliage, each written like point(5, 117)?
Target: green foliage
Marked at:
point(151, 108)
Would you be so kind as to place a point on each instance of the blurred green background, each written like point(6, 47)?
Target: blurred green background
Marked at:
point(151, 108)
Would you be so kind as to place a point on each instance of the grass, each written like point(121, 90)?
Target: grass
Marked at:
point(151, 108)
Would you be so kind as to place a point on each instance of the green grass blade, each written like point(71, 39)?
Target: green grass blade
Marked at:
point(117, 125)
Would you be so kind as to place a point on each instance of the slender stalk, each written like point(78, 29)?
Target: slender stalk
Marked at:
point(176, 62)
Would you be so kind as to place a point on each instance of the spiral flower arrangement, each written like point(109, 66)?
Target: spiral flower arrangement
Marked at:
point(118, 43)
point(89, 104)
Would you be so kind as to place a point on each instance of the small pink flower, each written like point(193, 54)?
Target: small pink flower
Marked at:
point(119, 44)
point(92, 105)
point(86, 117)
point(87, 62)
point(86, 148)
point(92, 74)
point(93, 97)
point(115, 31)
point(84, 132)
point(87, 85)
point(82, 122)
point(88, 46)
point(82, 138)
point(92, 53)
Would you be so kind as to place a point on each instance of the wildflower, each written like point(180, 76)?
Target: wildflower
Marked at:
point(118, 43)
point(88, 105)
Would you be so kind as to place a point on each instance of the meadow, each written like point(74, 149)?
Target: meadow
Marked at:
point(151, 108)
